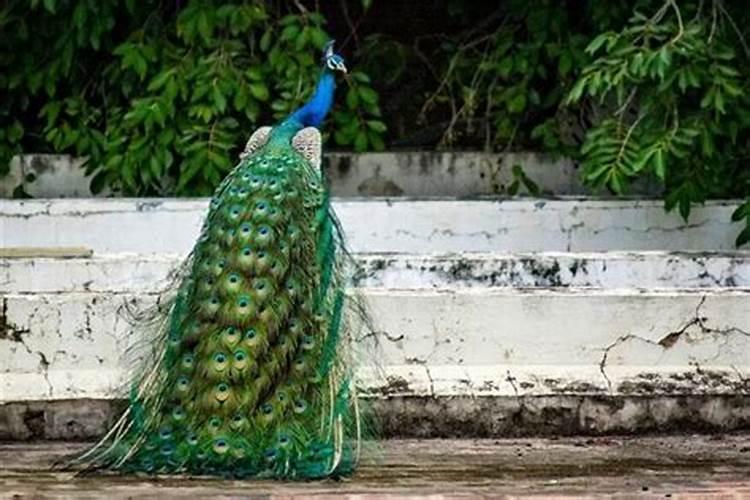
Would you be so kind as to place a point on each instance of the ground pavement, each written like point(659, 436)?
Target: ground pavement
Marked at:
point(612, 467)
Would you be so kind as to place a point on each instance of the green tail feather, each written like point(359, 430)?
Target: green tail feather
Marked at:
point(249, 376)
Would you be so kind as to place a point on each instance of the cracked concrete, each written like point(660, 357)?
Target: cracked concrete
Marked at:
point(673, 337)
point(443, 338)
point(394, 225)
point(545, 342)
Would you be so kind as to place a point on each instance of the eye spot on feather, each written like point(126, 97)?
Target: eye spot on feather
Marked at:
point(266, 408)
point(192, 438)
point(308, 343)
point(222, 392)
point(178, 413)
point(220, 362)
point(247, 251)
point(300, 406)
point(284, 440)
point(165, 432)
point(214, 423)
point(183, 383)
point(188, 360)
point(250, 334)
point(220, 446)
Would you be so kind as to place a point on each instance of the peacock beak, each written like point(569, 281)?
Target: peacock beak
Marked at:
point(342, 68)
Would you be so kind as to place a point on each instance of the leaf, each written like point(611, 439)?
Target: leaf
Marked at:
point(219, 100)
point(565, 64)
point(742, 212)
point(259, 91)
point(352, 99)
point(744, 236)
point(265, 40)
point(505, 66)
point(368, 95)
point(360, 142)
point(597, 42)
point(517, 104)
point(376, 126)
point(660, 168)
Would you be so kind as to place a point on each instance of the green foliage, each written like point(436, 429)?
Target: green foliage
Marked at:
point(505, 83)
point(160, 97)
point(672, 91)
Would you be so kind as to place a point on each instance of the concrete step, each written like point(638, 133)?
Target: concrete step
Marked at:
point(387, 225)
point(442, 342)
point(122, 273)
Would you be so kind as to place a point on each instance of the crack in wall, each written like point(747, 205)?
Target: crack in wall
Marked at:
point(670, 339)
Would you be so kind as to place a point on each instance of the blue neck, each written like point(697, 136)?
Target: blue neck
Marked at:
point(315, 110)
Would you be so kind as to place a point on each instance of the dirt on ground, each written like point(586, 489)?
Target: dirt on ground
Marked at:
point(689, 466)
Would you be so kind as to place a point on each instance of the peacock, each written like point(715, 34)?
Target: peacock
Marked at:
point(249, 374)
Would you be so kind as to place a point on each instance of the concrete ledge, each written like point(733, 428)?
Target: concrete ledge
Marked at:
point(387, 225)
point(428, 417)
point(121, 273)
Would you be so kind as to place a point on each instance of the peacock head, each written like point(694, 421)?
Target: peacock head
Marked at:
point(331, 60)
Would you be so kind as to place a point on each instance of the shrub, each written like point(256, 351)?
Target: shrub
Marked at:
point(160, 95)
